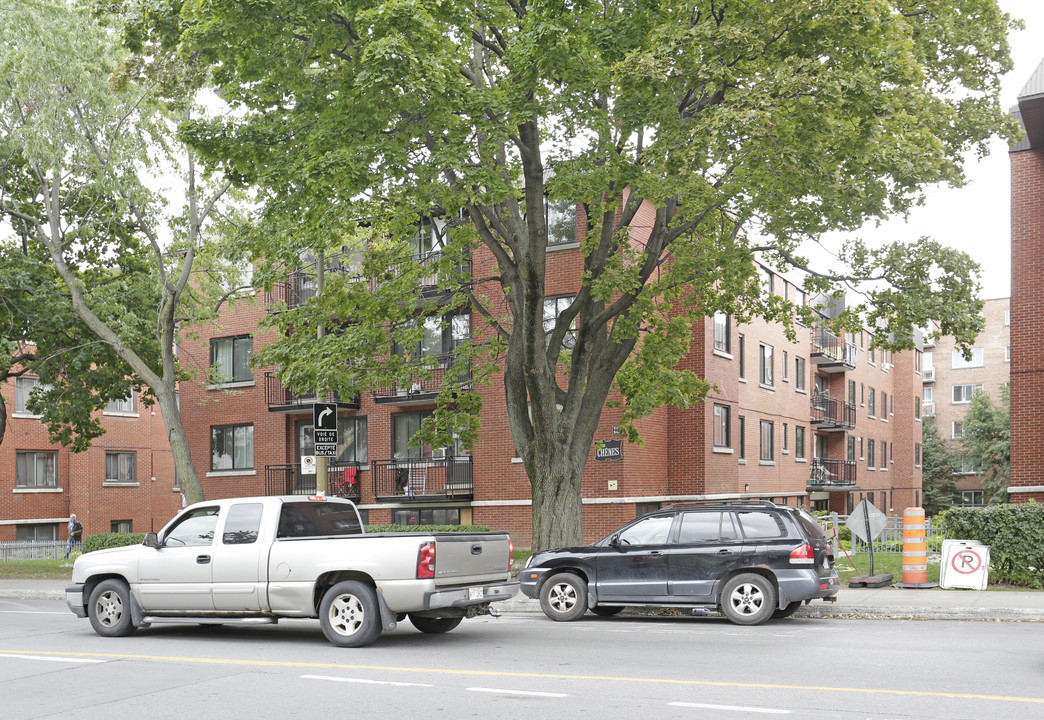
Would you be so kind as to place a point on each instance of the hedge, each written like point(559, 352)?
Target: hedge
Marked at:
point(1015, 534)
point(101, 541)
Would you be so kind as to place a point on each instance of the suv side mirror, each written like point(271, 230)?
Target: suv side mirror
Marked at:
point(151, 540)
point(615, 540)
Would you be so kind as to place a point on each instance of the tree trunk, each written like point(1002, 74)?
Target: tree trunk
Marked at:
point(187, 477)
point(557, 501)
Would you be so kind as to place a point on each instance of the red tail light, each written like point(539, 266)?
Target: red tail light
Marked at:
point(803, 555)
point(511, 556)
point(426, 561)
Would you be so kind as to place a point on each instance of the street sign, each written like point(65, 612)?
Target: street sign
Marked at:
point(610, 450)
point(324, 428)
point(866, 522)
point(326, 450)
point(308, 464)
point(965, 564)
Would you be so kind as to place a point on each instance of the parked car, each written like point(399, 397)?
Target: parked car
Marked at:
point(265, 558)
point(751, 560)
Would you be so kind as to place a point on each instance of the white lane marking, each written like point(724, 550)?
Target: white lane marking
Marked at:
point(737, 708)
point(363, 681)
point(51, 659)
point(31, 612)
point(517, 692)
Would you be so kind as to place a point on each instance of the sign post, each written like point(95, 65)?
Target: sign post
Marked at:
point(867, 522)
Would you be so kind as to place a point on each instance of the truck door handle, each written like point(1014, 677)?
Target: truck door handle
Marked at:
point(202, 559)
point(724, 552)
point(656, 553)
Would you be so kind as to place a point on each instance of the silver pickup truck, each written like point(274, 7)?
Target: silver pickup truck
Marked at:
point(264, 558)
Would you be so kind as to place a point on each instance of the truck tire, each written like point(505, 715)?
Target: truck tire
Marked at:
point(434, 626)
point(349, 614)
point(109, 609)
point(748, 599)
point(564, 597)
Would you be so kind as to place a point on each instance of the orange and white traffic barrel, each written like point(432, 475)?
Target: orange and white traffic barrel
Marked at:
point(915, 547)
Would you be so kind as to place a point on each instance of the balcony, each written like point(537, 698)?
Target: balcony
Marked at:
point(428, 283)
point(343, 480)
point(832, 475)
point(928, 409)
point(423, 479)
point(426, 381)
point(301, 283)
point(829, 414)
point(928, 375)
point(279, 398)
point(832, 354)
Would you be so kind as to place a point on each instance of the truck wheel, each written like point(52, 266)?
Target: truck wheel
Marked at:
point(109, 609)
point(748, 599)
point(788, 610)
point(434, 626)
point(349, 614)
point(564, 597)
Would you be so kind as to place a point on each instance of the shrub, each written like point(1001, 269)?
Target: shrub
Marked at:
point(101, 541)
point(1015, 534)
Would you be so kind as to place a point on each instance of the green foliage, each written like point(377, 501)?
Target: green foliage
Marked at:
point(103, 541)
point(986, 443)
point(1015, 534)
point(939, 489)
point(390, 528)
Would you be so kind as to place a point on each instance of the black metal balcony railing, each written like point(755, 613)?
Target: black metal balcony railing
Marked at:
point(428, 379)
point(343, 480)
point(430, 273)
point(301, 282)
point(423, 479)
point(279, 398)
point(831, 353)
point(830, 413)
point(828, 473)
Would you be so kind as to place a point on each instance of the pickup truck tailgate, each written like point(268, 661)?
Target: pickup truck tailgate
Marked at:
point(470, 558)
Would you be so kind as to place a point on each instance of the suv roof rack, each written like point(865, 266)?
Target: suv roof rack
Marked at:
point(736, 502)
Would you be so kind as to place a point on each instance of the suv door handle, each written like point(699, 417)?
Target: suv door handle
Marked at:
point(656, 553)
point(202, 559)
point(724, 552)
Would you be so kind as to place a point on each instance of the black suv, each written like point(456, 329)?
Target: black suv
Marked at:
point(751, 560)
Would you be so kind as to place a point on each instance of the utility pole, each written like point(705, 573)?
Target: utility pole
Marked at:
point(322, 475)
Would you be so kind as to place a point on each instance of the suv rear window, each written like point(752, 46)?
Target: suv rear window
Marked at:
point(809, 525)
point(758, 524)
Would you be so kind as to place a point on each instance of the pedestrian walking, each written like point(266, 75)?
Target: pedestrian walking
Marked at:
point(75, 535)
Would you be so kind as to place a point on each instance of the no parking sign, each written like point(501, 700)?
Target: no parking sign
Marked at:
point(965, 564)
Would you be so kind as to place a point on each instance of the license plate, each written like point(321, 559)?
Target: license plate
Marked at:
point(474, 593)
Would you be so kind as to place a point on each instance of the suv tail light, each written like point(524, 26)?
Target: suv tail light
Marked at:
point(426, 561)
point(511, 555)
point(803, 555)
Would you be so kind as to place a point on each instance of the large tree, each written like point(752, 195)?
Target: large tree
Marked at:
point(938, 487)
point(986, 443)
point(90, 145)
point(693, 139)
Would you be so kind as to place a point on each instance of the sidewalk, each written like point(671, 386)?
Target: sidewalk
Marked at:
point(888, 603)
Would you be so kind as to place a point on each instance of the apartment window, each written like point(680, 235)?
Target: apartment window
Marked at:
point(739, 349)
point(742, 438)
point(722, 333)
point(120, 526)
point(784, 445)
point(871, 357)
point(24, 387)
point(799, 373)
point(230, 359)
point(767, 439)
point(232, 447)
point(861, 449)
point(960, 363)
point(917, 361)
point(351, 439)
point(958, 429)
point(561, 222)
point(765, 366)
point(36, 469)
point(884, 406)
point(870, 460)
point(862, 394)
point(871, 403)
point(121, 467)
point(427, 516)
point(851, 449)
point(963, 393)
point(36, 533)
point(917, 408)
point(786, 366)
point(127, 405)
point(721, 426)
point(799, 442)
point(1007, 316)
point(971, 498)
point(553, 307)
point(1007, 353)
point(851, 392)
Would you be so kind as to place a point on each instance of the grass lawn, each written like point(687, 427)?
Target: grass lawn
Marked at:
point(884, 564)
point(37, 569)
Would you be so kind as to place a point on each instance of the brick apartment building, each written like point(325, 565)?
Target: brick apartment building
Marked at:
point(1027, 298)
point(124, 482)
point(950, 381)
point(821, 422)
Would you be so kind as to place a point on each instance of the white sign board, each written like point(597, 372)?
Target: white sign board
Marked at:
point(857, 521)
point(308, 464)
point(965, 564)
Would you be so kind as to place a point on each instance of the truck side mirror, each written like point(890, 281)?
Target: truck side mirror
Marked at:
point(151, 540)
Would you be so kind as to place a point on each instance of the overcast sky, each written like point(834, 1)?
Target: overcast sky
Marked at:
point(976, 218)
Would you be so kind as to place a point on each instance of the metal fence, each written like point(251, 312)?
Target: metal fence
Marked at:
point(14, 551)
point(891, 538)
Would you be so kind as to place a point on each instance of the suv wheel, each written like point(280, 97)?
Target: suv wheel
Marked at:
point(748, 599)
point(564, 597)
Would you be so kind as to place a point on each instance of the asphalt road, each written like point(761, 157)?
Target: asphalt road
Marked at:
point(52, 665)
